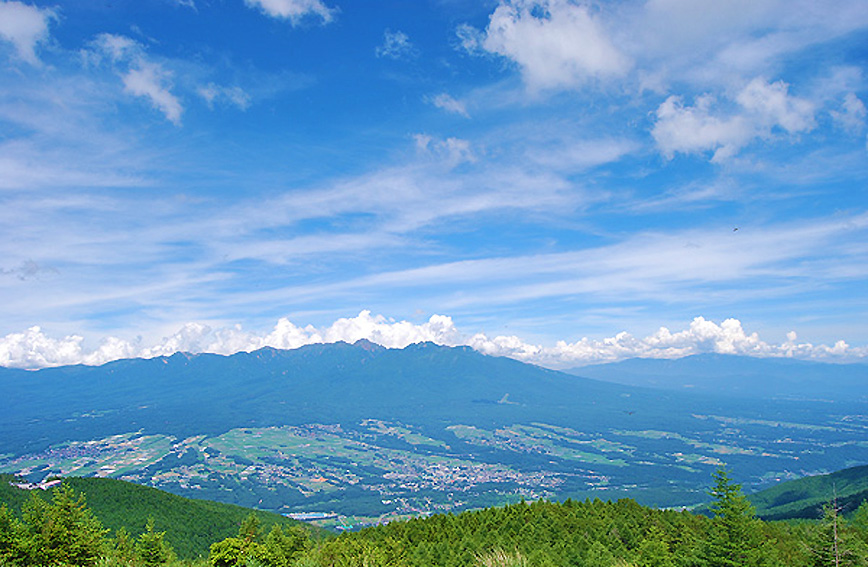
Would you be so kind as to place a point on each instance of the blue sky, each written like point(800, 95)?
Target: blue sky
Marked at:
point(559, 181)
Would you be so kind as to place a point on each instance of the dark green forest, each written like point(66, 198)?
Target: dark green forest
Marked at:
point(60, 529)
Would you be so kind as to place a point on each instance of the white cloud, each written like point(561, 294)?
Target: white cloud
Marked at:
point(555, 43)
point(24, 26)
point(294, 10)
point(655, 44)
point(852, 114)
point(469, 39)
point(141, 76)
point(151, 81)
point(213, 93)
point(771, 105)
point(763, 108)
point(691, 129)
point(452, 151)
point(34, 349)
point(446, 102)
point(578, 155)
point(117, 47)
point(701, 336)
point(396, 45)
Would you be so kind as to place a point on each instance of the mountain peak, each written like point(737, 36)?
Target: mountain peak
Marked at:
point(367, 345)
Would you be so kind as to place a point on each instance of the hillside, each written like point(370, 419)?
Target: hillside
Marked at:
point(805, 497)
point(191, 525)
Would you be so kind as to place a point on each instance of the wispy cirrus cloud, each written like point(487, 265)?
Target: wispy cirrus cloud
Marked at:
point(445, 101)
point(216, 94)
point(141, 76)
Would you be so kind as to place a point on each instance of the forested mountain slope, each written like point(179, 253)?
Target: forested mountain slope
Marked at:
point(805, 497)
point(191, 525)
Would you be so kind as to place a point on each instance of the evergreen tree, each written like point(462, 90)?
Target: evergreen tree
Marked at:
point(859, 521)
point(152, 548)
point(736, 539)
point(124, 550)
point(653, 551)
point(833, 543)
point(63, 531)
point(13, 535)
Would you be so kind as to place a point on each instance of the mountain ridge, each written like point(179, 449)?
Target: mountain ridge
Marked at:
point(336, 422)
point(738, 375)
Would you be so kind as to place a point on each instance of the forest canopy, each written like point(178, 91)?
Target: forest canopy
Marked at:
point(63, 531)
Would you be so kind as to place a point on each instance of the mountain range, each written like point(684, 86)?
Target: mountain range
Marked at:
point(363, 429)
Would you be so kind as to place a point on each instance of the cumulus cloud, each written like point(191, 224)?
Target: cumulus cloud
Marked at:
point(555, 43)
point(141, 76)
point(396, 45)
point(34, 349)
point(293, 10)
point(446, 102)
point(701, 336)
point(24, 26)
point(762, 109)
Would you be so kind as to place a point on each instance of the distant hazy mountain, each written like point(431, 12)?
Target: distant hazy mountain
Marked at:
point(739, 376)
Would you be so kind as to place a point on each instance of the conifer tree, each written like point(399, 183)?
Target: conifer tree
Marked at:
point(859, 521)
point(152, 548)
point(653, 551)
point(63, 531)
point(736, 539)
point(833, 543)
point(13, 536)
point(124, 551)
